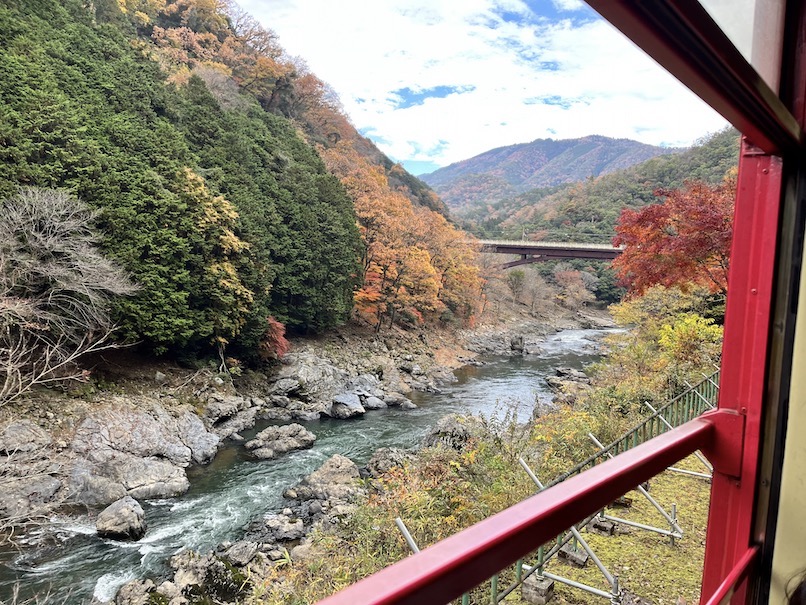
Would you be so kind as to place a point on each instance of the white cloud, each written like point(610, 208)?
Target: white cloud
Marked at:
point(569, 5)
point(502, 58)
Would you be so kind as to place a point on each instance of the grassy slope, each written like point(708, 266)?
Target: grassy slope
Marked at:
point(646, 563)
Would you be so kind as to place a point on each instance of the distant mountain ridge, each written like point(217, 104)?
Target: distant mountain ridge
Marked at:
point(588, 210)
point(507, 171)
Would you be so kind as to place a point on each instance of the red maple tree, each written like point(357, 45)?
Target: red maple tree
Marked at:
point(683, 240)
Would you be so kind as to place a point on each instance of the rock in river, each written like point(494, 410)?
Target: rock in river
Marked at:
point(122, 520)
point(346, 405)
point(332, 487)
point(141, 452)
point(276, 440)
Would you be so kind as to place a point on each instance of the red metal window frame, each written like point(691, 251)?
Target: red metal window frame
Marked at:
point(744, 360)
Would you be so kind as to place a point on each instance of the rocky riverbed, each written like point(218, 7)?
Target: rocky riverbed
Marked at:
point(107, 449)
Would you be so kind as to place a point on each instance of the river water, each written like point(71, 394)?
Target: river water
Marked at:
point(67, 560)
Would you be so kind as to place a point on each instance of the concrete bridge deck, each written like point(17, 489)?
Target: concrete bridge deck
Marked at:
point(532, 252)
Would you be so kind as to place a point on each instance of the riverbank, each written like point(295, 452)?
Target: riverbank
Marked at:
point(142, 425)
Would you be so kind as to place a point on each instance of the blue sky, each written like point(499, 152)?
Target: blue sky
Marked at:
point(434, 82)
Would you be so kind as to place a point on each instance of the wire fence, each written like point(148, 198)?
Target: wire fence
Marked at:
point(687, 406)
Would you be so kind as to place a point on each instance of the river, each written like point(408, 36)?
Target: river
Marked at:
point(67, 559)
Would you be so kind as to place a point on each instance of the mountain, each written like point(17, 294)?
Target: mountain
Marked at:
point(588, 210)
point(507, 171)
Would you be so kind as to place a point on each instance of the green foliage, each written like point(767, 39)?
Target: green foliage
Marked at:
point(224, 217)
point(515, 281)
point(298, 220)
point(671, 341)
point(689, 343)
point(607, 289)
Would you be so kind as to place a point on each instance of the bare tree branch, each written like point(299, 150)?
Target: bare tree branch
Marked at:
point(55, 290)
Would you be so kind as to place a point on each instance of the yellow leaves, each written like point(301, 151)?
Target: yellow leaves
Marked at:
point(227, 278)
point(231, 243)
point(671, 342)
point(689, 343)
point(215, 210)
point(469, 456)
point(145, 8)
point(219, 246)
point(180, 77)
point(194, 183)
point(141, 18)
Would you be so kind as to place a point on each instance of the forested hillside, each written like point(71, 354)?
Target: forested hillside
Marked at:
point(199, 142)
point(588, 210)
point(507, 171)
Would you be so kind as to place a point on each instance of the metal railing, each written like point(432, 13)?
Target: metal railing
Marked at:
point(541, 244)
point(454, 566)
point(685, 407)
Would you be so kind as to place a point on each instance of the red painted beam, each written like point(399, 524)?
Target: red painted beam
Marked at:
point(744, 359)
point(736, 576)
point(685, 40)
point(453, 566)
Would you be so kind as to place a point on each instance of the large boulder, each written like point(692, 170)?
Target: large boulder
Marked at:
point(140, 451)
point(373, 403)
point(346, 405)
point(281, 528)
point(453, 431)
point(387, 458)
point(325, 496)
point(285, 387)
point(395, 399)
point(241, 553)
point(337, 478)
point(208, 575)
point(135, 592)
point(24, 496)
point(275, 440)
point(219, 406)
point(203, 445)
point(317, 380)
point(151, 478)
point(130, 431)
point(231, 426)
point(122, 520)
point(366, 385)
point(91, 489)
point(226, 414)
point(22, 436)
point(148, 430)
point(568, 385)
point(31, 471)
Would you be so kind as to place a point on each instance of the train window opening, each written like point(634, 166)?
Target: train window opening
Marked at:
point(754, 75)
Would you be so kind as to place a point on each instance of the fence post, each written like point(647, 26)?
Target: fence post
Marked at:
point(615, 598)
point(673, 524)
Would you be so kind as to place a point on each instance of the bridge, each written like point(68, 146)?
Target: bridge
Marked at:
point(533, 252)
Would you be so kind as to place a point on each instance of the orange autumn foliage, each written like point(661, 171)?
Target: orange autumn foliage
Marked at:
point(417, 266)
